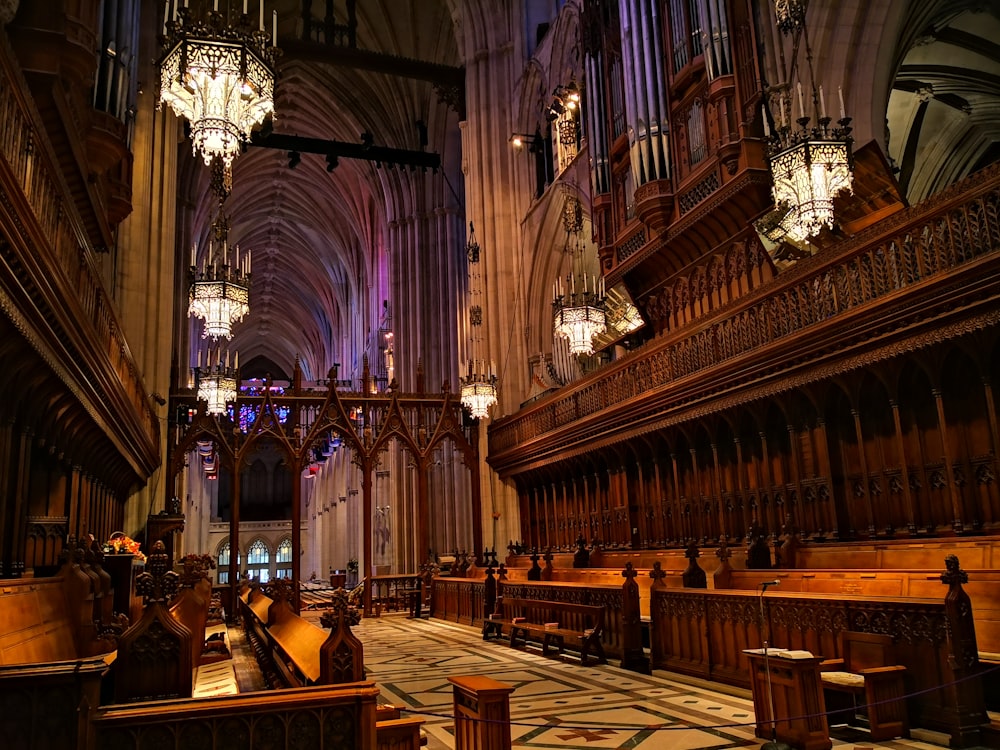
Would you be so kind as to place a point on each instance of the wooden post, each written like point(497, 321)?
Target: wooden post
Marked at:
point(633, 656)
point(966, 709)
point(482, 713)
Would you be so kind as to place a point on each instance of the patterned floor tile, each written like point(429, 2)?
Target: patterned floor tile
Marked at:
point(557, 703)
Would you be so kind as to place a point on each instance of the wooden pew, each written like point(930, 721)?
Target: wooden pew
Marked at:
point(703, 633)
point(463, 600)
point(299, 651)
point(983, 589)
point(553, 624)
point(52, 619)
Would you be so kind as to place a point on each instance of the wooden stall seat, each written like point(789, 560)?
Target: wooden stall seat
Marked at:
point(868, 683)
point(553, 624)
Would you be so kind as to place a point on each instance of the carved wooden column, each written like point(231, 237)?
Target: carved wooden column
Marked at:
point(767, 487)
point(558, 514)
point(825, 471)
point(643, 514)
point(865, 492)
point(911, 523)
point(957, 523)
point(367, 502)
point(423, 509)
point(679, 530)
point(741, 489)
point(22, 472)
point(992, 511)
point(795, 459)
point(296, 536)
point(549, 515)
point(73, 524)
point(699, 524)
point(234, 542)
point(723, 533)
point(658, 529)
point(533, 539)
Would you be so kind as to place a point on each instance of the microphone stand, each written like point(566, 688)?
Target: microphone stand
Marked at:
point(765, 631)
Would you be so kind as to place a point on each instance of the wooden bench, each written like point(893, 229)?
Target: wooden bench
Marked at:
point(295, 650)
point(553, 624)
point(867, 682)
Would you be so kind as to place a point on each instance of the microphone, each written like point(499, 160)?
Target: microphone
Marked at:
point(765, 584)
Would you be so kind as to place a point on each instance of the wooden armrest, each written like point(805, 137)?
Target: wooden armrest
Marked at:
point(831, 665)
point(882, 670)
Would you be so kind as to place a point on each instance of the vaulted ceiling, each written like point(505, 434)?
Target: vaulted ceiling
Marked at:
point(318, 237)
point(943, 117)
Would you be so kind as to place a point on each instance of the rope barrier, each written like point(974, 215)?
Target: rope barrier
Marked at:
point(700, 727)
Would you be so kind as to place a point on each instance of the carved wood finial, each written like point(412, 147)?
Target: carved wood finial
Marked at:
point(723, 552)
point(157, 583)
point(658, 574)
point(953, 575)
point(630, 572)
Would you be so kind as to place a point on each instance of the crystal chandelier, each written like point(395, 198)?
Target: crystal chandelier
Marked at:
point(218, 73)
point(216, 382)
point(479, 385)
point(810, 164)
point(220, 289)
point(479, 389)
point(578, 316)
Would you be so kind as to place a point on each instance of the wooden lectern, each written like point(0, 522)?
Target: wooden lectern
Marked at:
point(796, 695)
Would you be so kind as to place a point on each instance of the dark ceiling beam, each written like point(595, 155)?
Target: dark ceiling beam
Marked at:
point(443, 76)
point(341, 149)
point(954, 78)
point(986, 48)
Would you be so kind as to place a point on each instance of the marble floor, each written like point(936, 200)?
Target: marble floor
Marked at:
point(557, 703)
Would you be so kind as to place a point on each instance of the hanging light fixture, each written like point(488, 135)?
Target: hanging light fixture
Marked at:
point(220, 289)
point(791, 14)
point(479, 389)
point(479, 384)
point(810, 164)
point(216, 383)
point(578, 307)
point(218, 72)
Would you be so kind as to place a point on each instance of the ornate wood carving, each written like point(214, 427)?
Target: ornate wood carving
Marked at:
point(155, 655)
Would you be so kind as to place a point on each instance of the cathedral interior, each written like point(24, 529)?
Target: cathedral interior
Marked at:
point(636, 307)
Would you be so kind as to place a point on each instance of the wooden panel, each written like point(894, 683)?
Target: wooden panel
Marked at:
point(35, 626)
point(702, 633)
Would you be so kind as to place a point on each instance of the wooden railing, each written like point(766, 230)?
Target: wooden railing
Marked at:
point(60, 258)
point(887, 265)
point(462, 600)
point(703, 633)
point(319, 717)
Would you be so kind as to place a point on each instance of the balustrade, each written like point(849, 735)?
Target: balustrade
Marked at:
point(889, 259)
point(56, 256)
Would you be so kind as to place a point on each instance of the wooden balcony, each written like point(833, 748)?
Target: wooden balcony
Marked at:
point(924, 275)
point(53, 294)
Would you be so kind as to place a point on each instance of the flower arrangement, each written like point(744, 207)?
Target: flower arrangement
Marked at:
point(120, 544)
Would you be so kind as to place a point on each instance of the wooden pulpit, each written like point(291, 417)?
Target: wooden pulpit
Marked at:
point(796, 694)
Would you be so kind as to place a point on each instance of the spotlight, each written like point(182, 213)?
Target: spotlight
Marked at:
point(294, 157)
point(331, 162)
point(367, 140)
